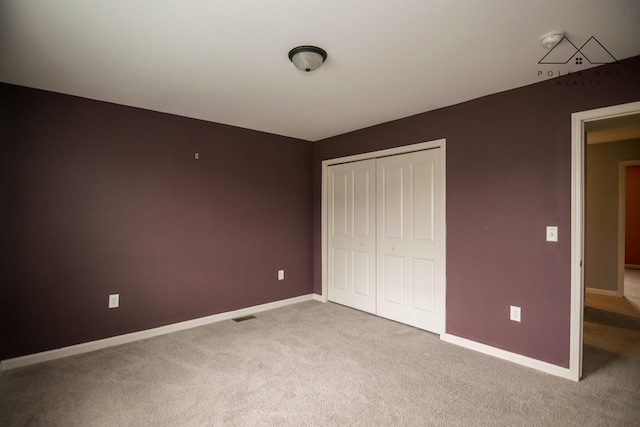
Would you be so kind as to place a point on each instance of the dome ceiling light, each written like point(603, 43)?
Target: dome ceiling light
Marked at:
point(552, 38)
point(307, 58)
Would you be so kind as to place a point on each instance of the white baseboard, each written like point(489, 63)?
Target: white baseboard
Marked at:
point(319, 297)
point(507, 355)
point(606, 292)
point(86, 347)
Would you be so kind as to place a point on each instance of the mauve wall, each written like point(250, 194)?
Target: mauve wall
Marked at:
point(508, 176)
point(99, 198)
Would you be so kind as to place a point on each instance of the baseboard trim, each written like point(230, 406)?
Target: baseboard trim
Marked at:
point(509, 356)
point(606, 292)
point(634, 266)
point(73, 350)
point(319, 297)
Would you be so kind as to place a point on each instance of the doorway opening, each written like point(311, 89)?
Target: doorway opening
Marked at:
point(593, 124)
point(629, 232)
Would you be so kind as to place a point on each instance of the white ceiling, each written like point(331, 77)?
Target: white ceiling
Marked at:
point(226, 61)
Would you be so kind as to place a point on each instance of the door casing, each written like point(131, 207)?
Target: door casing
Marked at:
point(578, 149)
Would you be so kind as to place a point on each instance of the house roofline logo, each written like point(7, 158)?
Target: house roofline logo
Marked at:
point(592, 50)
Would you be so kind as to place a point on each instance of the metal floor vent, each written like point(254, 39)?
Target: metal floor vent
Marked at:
point(242, 319)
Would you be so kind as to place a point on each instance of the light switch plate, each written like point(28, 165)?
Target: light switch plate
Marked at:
point(552, 233)
point(114, 300)
point(280, 274)
point(514, 313)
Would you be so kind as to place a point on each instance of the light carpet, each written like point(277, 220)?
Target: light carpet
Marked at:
point(320, 364)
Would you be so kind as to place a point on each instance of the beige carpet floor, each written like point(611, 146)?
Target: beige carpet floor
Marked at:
point(325, 365)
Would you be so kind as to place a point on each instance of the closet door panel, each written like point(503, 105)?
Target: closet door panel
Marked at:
point(407, 187)
point(351, 224)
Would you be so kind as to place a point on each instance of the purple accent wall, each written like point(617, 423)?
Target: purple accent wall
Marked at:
point(508, 176)
point(99, 198)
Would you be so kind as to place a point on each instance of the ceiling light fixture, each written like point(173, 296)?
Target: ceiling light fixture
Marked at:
point(307, 58)
point(552, 38)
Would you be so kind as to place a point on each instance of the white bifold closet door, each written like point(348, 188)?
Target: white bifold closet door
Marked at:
point(384, 225)
point(408, 262)
point(351, 224)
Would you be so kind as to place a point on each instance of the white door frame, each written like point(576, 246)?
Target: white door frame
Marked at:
point(577, 223)
point(440, 143)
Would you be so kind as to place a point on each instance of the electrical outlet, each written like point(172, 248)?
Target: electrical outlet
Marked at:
point(280, 274)
point(114, 300)
point(514, 313)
